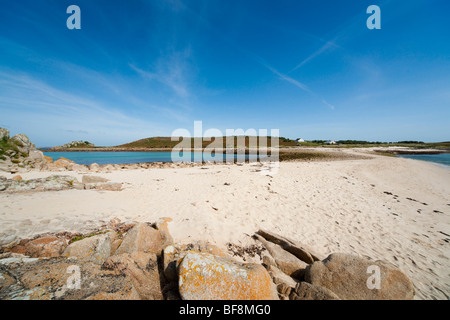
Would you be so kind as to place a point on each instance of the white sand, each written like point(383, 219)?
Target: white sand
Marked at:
point(328, 206)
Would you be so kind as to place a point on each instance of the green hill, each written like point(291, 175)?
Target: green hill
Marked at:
point(165, 142)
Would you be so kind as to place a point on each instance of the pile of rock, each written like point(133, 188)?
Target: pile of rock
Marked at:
point(140, 261)
point(57, 183)
point(63, 164)
point(76, 144)
point(302, 275)
point(18, 153)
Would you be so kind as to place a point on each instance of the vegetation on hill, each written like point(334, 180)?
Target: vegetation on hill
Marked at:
point(366, 144)
point(249, 142)
point(166, 142)
point(10, 148)
point(78, 144)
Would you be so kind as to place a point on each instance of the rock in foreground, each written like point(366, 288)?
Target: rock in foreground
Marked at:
point(54, 183)
point(285, 261)
point(142, 238)
point(202, 276)
point(348, 276)
point(95, 249)
point(62, 279)
point(307, 291)
point(139, 261)
point(142, 269)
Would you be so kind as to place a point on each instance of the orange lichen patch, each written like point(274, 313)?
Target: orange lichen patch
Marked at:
point(62, 162)
point(48, 159)
point(65, 159)
point(203, 276)
point(45, 240)
point(45, 246)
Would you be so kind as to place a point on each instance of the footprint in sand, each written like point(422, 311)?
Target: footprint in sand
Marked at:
point(26, 222)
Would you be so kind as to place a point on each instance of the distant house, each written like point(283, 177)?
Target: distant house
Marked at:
point(300, 140)
point(331, 142)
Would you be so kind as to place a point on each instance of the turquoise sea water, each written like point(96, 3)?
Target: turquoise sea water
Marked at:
point(154, 156)
point(88, 158)
point(443, 158)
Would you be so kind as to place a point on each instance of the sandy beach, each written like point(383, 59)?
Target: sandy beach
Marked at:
point(385, 208)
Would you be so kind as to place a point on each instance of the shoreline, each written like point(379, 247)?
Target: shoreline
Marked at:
point(286, 152)
point(392, 150)
point(439, 164)
point(281, 155)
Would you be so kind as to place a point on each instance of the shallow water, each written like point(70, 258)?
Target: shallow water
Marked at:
point(87, 158)
point(443, 158)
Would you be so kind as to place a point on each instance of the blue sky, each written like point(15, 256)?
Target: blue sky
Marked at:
point(311, 69)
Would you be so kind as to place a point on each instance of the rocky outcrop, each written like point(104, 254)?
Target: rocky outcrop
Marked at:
point(142, 238)
point(142, 269)
point(43, 246)
point(173, 254)
point(23, 143)
point(94, 167)
point(95, 248)
point(4, 134)
point(203, 276)
point(279, 277)
point(339, 276)
point(93, 179)
point(18, 153)
point(307, 291)
point(53, 183)
point(350, 277)
point(290, 246)
point(76, 144)
point(62, 163)
point(285, 261)
point(61, 279)
point(140, 261)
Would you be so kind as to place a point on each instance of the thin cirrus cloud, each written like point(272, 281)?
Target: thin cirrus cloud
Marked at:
point(172, 70)
point(207, 24)
point(33, 99)
point(296, 83)
point(118, 86)
point(300, 85)
point(326, 47)
point(171, 80)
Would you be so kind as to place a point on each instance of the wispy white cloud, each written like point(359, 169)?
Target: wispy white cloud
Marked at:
point(328, 104)
point(262, 62)
point(327, 46)
point(32, 102)
point(172, 80)
point(172, 70)
point(296, 83)
point(291, 80)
